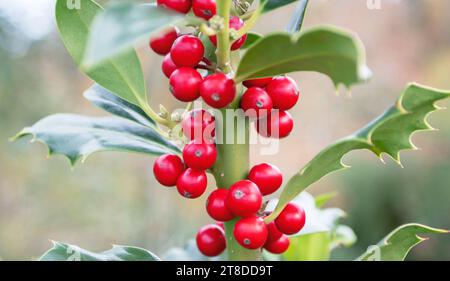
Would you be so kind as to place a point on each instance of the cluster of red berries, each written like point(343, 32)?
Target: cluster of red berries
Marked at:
point(199, 155)
point(244, 200)
point(266, 101)
point(263, 96)
point(184, 55)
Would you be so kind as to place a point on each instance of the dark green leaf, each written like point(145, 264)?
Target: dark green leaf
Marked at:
point(251, 39)
point(66, 252)
point(77, 136)
point(296, 22)
point(123, 25)
point(270, 5)
point(396, 246)
point(122, 75)
point(390, 133)
point(111, 103)
point(328, 50)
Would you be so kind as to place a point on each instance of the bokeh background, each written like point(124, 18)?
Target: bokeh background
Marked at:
point(113, 197)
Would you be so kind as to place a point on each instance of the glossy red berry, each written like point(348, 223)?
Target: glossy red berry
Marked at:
point(258, 82)
point(192, 183)
point(162, 43)
point(216, 205)
point(204, 8)
point(256, 103)
point(244, 198)
point(217, 90)
point(168, 66)
point(250, 232)
point(185, 84)
point(278, 246)
point(187, 50)
point(278, 124)
point(182, 6)
point(267, 177)
point(199, 156)
point(284, 92)
point(199, 125)
point(235, 23)
point(211, 240)
point(167, 169)
point(291, 220)
point(273, 233)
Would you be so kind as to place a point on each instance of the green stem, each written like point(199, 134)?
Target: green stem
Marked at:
point(231, 166)
point(233, 158)
point(223, 36)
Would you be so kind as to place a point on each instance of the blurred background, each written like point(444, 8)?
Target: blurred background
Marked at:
point(113, 197)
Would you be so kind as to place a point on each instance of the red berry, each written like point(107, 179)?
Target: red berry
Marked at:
point(167, 169)
point(199, 156)
point(211, 240)
point(199, 125)
point(162, 43)
point(284, 92)
point(278, 124)
point(291, 220)
point(259, 82)
point(168, 67)
point(185, 84)
point(235, 23)
point(256, 103)
point(204, 8)
point(192, 183)
point(217, 90)
point(278, 246)
point(216, 205)
point(250, 232)
point(267, 177)
point(182, 6)
point(273, 233)
point(187, 50)
point(244, 198)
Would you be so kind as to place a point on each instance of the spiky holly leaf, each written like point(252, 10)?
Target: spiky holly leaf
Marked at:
point(296, 21)
point(398, 243)
point(66, 252)
point(77, 137)
point(270, 5)
point(122, 75)
point(106, 100)
point(334, 52)
point(390, 133)
point(123, 25)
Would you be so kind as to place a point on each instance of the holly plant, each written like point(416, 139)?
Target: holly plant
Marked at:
point(239, 79)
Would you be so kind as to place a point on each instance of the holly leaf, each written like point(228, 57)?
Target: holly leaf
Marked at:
point(66, 252)
point(270, 5)
point(111, 103)
point(328, 50)
point(396, 246)
point(252, 37)
point(123, 25)
point(296, 21)
point(390, 133)
point(122, 75)
point(77, 137)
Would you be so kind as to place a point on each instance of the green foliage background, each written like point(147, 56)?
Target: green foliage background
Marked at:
point(113, 198)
